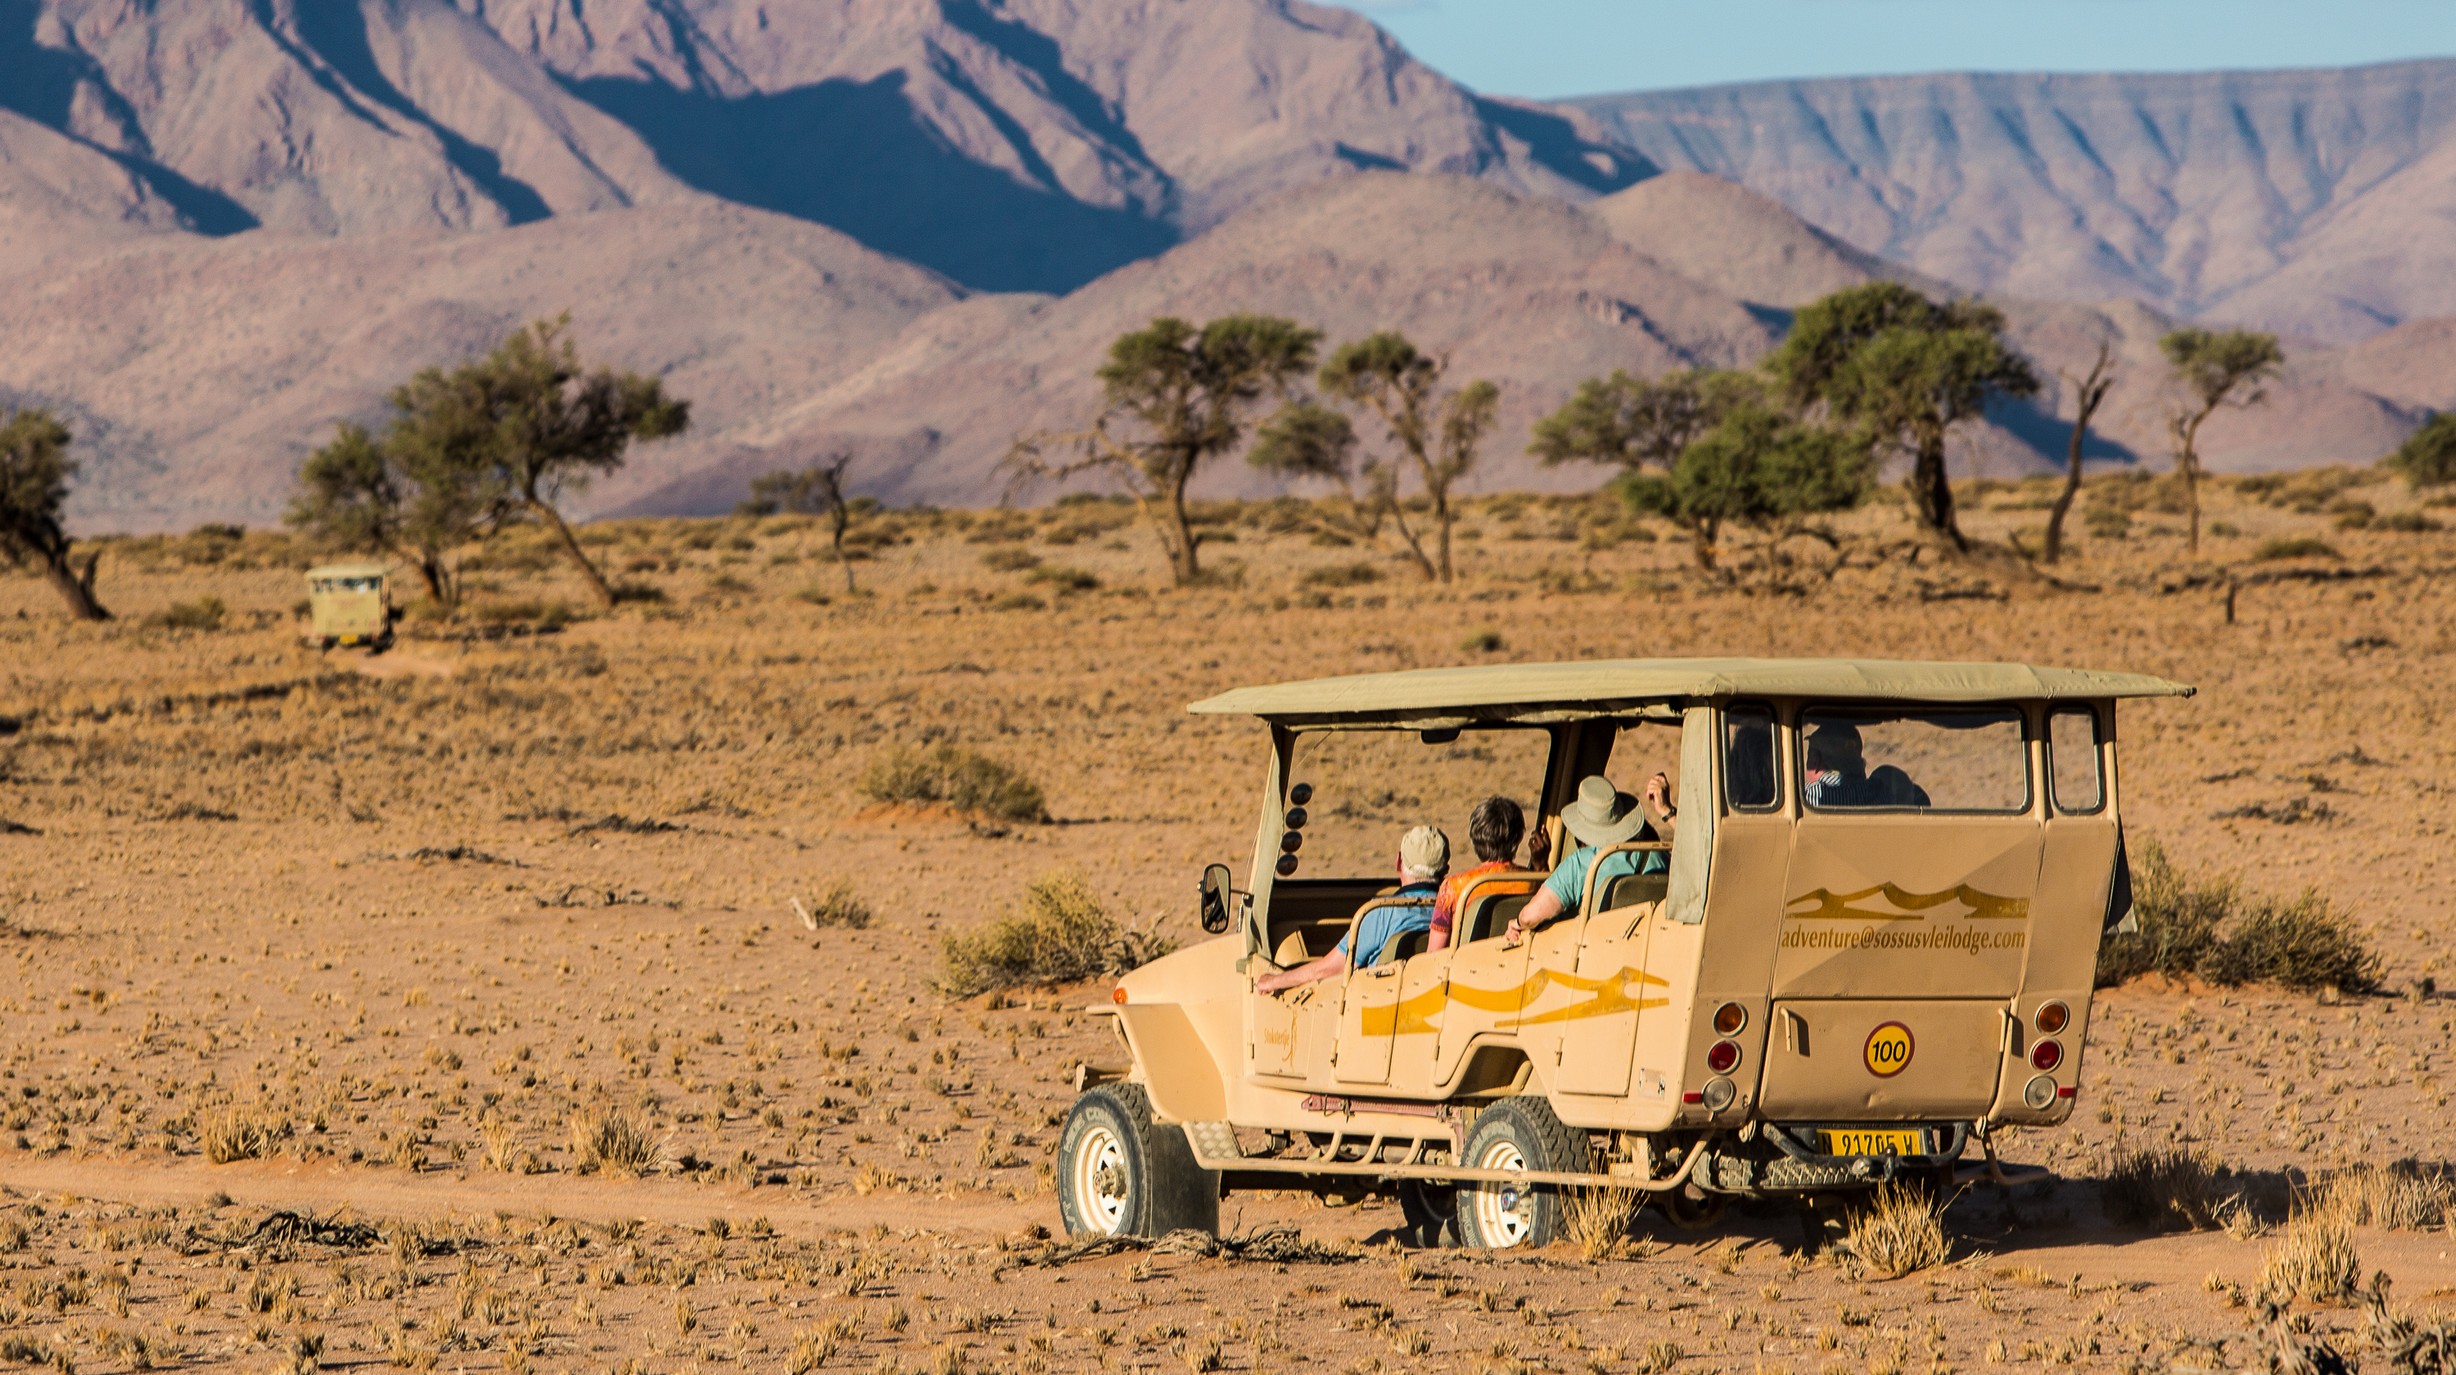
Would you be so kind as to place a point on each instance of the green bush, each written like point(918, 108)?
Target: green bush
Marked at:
point(959, 778)
point(2406, 523)
point(2428, 459)
point(2212, 929)
point(1058, 933)
point(1342, 575)
point(2302, 547)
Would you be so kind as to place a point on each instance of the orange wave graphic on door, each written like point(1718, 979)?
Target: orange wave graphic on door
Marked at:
point(1824, 904)
point(1601, 997)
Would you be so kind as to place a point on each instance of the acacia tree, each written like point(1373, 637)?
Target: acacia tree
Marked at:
point(2427, 458)
point(1438, 435)
point(2087, 393)
point(1175, 397)
point(1308, 439)
point(817, 490)
point(1904, 369)
point(2214, 367)
point(1756, 465)
point(1634, 422)
point(404, 494)
point(34, 473)
point(538, 424)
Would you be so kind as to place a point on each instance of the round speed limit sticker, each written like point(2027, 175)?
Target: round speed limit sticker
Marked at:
point(1889, 1049)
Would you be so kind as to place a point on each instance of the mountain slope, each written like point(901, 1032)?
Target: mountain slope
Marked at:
point(1031, 144)
point(199, 372)
point(2315, 202)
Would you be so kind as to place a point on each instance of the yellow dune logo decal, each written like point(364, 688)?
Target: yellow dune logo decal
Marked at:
point(1824, 904)
point(1604, 997)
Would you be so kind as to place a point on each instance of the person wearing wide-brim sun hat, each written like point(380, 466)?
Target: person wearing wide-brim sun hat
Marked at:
point(1602, 817)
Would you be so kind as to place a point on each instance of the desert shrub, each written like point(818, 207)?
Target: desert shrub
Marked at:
point(1342, 575)
point(1058, 933)
point(959, 778)
point(205, 613)
point(241, 1134)
point(2169, 1189)
point(2354, 515)
point(1897, 1232)
point(2298, 547)
point(528, 612)
point(2306, 944)
point(2177, 914)
point(2107, 522)
point(1482, 642)
point(2209, 927)
point(2314, 1259)
point(838, 906)
point(1009, 560)
point(606, 1141)
point(1064, 579)
point(643, 593)
point(2407, 523)
point(1017, 601)
point(1598, 1220)
point(2309, 491)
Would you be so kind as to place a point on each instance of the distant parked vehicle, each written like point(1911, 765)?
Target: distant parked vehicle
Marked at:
point(350, 604)
point(1865, 951)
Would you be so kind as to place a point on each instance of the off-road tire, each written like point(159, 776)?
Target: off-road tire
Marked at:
point(1518, 1133)
point(1120, 1173)
point(1431, 1213)
point(1691, 1212)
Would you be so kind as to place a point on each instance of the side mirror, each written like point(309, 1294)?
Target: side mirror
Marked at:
point(1215, 892)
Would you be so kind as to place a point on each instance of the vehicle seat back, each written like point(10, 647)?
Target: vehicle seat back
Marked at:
point(1627, 889)
point(1488, 903)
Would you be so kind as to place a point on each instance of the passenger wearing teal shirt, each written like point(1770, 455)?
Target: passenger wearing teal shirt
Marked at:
point(1602, 817)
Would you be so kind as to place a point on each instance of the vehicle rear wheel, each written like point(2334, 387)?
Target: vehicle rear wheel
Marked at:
point(1691, 1211)
point(1432, 1214)
point(1518, 1134)
point(1120, 1173)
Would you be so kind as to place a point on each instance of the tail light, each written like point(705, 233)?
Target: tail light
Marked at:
point(2045, 1056)
point(2053, 1018)
point(1723, 1057)
point(1729, 1018)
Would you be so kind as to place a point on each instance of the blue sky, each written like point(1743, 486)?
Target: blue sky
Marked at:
point(1549, 48)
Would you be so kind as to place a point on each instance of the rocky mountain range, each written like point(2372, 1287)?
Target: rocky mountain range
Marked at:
point(909, 227)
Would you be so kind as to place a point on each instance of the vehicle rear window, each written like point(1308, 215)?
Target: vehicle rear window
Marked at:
point(1950, 760)
point(1748, 758)
point(2072, 753)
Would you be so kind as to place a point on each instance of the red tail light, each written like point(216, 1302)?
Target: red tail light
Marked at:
point(1723, 1057)
point(2046, 1055)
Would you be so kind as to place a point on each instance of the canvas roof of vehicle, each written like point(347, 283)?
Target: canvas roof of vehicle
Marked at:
point(1538, 692)
point(351, 570)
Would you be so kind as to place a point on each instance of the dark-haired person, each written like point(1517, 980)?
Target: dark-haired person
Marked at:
point(1838, 773)
point(1494, 828)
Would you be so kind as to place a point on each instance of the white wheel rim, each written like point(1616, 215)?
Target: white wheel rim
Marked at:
point(1100, 1179)
point(1501, 1209)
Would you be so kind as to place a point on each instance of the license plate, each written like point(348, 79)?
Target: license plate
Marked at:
point(1875, 1143)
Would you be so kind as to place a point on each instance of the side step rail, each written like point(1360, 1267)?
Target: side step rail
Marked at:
point(1198, 1135)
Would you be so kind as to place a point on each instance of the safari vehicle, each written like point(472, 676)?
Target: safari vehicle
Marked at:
point(1827, 987)
point(350, 604)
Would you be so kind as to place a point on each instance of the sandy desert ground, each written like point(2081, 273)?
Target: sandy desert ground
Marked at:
point(392, 924)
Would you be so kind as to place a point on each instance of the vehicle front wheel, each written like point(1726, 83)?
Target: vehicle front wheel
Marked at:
point(1518, 1134)
point(1431, 1214)
point(1120, 1173)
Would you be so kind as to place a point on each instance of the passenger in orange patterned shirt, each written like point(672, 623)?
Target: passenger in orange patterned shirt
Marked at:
point(1493, 829)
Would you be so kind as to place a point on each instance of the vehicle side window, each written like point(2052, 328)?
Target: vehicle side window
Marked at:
point(1748, 759)
point(1956, 759)
point(2072, 759)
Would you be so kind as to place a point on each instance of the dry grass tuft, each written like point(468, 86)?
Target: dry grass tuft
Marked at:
point(1598, 1220)
point(606, 1141)
point(838, 906)
point(2314, 1259)
point(1897, 1232)
point(241, 1134)
point(2170, 1189)
point(1058, 934)
point(2209, 927)
point(2402, 1197)
point(958, 778)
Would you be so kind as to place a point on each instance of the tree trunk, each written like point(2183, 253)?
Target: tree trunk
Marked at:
point(1931, 489)
point(2092, 390)
point(1701, 537)
point(76, 589)
point(1178, 534)
point(2187, 463)
point(597, 585)
point(1415, 545)
point(841, 561)
point(1443, 519)
point(431, 572)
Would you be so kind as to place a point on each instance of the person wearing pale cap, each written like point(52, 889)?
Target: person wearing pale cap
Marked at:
point(1424, 856)
point(1602, 817)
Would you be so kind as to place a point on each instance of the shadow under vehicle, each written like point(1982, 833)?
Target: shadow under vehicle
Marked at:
point(1837, 978)
point(350, 604)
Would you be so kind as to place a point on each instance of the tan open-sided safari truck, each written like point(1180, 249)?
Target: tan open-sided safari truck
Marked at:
point(1843, 975)
point(349, 604)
